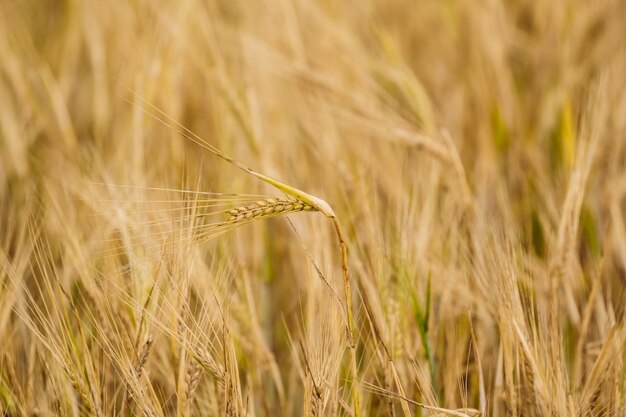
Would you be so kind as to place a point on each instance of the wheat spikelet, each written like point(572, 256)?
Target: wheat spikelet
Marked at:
point(140, 364)
point(231, 408)
point(206, 362)
point(313, 398)
point(143, 356)
point(85, 401)
point(266, 208)
point(529, 385)
point(317, 405)
point(194, 372)
point(389, 386)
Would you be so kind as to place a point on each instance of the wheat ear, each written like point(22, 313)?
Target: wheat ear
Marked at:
point(266, 208)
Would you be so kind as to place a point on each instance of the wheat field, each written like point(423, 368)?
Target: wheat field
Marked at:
point(312, 208)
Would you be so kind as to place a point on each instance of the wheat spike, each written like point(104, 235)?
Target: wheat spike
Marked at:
point(266, 208)
point(194, 372)
point(143, 356)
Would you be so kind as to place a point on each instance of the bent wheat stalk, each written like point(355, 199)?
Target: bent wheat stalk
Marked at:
point(303, 201)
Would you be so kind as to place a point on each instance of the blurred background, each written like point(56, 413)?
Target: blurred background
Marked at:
point(473, 153)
